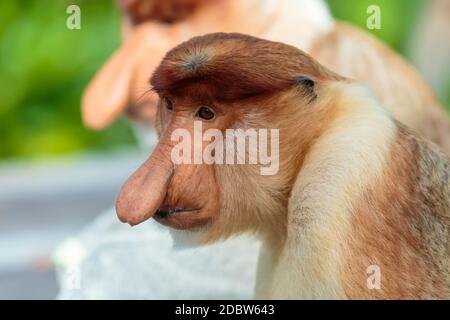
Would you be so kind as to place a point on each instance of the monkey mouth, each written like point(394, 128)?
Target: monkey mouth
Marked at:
point(162, 213)
point(182, 218)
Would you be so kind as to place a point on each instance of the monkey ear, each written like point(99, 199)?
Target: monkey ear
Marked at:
point(307, 85)
point(306, 82)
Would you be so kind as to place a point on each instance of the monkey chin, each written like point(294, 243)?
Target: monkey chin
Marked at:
point(187, 228)
point(183, 218)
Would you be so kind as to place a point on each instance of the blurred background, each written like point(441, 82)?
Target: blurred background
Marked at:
point(56, 175)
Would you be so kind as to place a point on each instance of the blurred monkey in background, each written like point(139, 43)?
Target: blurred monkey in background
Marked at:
point(151, 27)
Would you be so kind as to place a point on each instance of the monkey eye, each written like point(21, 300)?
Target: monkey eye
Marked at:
point(205, 113)
point(168, 103)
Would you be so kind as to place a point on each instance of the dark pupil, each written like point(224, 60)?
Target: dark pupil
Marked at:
point(169, 104)
point(205, 113)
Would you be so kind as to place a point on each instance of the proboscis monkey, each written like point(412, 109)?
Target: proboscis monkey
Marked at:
point(355, 188)
point(152, 27)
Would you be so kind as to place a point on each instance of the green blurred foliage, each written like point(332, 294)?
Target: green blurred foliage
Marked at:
point(44, 67)
point(398, 18)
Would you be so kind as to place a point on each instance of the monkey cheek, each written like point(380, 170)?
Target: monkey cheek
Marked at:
point(191, 200)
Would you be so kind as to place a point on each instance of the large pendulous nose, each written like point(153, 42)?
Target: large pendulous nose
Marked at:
point(144, 191)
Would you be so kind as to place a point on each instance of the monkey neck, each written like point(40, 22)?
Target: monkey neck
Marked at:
point(301, 126)
point(335, 162)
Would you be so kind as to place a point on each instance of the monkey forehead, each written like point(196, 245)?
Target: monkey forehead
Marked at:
point(234, 66)
point(194, 62)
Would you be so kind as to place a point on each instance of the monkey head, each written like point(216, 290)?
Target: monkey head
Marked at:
point(226, 81)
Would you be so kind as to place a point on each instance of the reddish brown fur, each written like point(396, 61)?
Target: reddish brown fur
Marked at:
point(201, 61)
point(159, 10)
point(402, 225)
